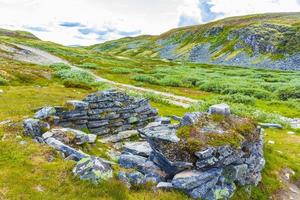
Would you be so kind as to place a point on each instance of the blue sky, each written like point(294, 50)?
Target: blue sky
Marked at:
point(85, 22)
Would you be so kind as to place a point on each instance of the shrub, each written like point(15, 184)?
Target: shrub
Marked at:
point(238, 98)
point(146, 78)
point(123, 70)
point(75, 75)
point(88, 66)
point(3, 81)
point(288, 92)
point(213, 86)
point(59, 66)
point(75, 84)
point(171, 81)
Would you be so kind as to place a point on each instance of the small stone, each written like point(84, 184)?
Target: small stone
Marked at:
point(205, 153)
point(220, 109)
point(131, 161)
point(93, 169)
point(120, 136)
point(291, 133)
point(271, 142)
point(164, 185)
point(1, 91)
point(163, 120)
point(270, 125)
point(162, 132)
point(190, 119)
point(45, 112)
point(133, 120)
point(22, 142)
point(35, 127)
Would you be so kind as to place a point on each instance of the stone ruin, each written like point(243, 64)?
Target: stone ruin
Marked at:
point(211, 173)
point(158, 156)
point(105, 112)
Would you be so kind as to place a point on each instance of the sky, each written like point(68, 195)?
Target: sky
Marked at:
point(86, 22)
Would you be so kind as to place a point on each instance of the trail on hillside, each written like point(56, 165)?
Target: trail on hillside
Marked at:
point(41, 57)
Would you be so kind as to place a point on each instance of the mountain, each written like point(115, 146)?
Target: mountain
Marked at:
point(262, 40)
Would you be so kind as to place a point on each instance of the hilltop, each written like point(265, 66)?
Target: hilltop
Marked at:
point(262, 40)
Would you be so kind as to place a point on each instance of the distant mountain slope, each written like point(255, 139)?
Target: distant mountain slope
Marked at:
point(264, 40)
point(17, 34)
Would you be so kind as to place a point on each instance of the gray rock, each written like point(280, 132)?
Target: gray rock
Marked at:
point(191, 179)
point(23, 143)
point(150, 170)
point(45, 112)
point(163, 120)
point(138, 148)
point(220, 109)
point(164, 185)
point(76, 105)
point(190, 119)
point(207, 153)
point(221, 192)
point(131, 161)
point(162, 132)
point(169, 167)
point(63, 134)
point(202, 190)
point(236, 173)
point(136, 178)
point(67, 150)
point(270, 125)
point(93, 169)
point(120, 136)
point(35, 127)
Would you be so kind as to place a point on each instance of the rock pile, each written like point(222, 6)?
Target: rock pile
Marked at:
point(209, 172)
point(100, 113)
point(106, 112)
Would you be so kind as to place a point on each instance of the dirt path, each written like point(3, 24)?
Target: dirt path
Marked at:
point(38, 56)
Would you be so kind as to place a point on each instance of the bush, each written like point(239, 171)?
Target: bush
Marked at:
point(171, 81)
point(238, 98)
point(289, 92)
point(146, 78)
point(74, 84)
point(3, 81)
point(75, 75)
point(213, 86)
point(88, 66)
point(123, 70)
point(60, 66)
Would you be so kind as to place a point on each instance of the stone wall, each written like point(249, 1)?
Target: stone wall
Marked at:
point(105, 112)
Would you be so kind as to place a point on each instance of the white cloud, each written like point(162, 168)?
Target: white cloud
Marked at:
point(120, 17)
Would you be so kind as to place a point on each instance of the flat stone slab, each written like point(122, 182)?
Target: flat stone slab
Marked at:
point(271, 125)
point(162, 132)
point(120, 136)
point(138, 148)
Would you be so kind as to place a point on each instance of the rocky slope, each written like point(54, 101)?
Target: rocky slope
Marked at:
point(265, 40)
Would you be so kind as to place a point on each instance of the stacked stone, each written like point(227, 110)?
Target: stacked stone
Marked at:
point(106, 112)
point(211, 173)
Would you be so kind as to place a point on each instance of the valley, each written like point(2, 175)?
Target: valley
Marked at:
point(171, 72)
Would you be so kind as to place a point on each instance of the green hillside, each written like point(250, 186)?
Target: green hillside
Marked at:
point(265, 40)
point(162, 63)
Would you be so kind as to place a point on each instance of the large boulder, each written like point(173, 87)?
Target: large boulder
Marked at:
point(93, 169)
point(35, 127)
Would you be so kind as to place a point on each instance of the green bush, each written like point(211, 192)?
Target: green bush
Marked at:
point(75, 75)
point(88, 66)
point(288, 92)
point(123, 70)
point(59, 66)
point(75, 84)
point(171, 81)
point(146, 79)
point(238, 98)
point(3, 81)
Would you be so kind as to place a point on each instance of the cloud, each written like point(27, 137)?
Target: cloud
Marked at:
point(70, 24)
point(207, 14)
point(36, 28)
point(187, 20)
point(90, 21)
